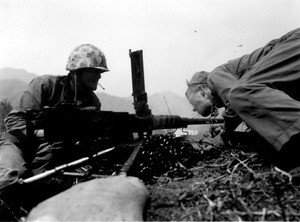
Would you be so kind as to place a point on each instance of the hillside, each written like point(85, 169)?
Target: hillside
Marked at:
point(20, 74)
point(14, 81)
point(164, 103)
point(169, 103)
point(11, 90)
point(115, 103)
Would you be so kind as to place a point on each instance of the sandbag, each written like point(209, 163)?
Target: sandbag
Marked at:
point(118, 198)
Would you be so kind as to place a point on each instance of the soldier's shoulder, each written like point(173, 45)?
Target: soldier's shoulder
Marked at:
point(46, 78)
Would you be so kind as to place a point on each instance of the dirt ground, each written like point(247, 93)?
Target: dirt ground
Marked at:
point(233, 184)
point(188, 183)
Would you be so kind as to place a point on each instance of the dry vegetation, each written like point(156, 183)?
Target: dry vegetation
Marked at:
point(228, 184)
point(234, 186)
point(217, 184)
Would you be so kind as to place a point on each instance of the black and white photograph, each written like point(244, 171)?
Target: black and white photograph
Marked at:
point(149, 110)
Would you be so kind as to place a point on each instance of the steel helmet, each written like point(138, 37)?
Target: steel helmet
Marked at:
point(87, 56)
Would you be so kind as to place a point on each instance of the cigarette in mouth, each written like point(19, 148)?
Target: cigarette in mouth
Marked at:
point(101, 86)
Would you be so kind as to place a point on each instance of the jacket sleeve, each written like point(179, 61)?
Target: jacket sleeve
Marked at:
point(15, 122)
point(221, 81)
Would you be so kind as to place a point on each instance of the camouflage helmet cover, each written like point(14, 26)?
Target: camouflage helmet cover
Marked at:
point(86, 56)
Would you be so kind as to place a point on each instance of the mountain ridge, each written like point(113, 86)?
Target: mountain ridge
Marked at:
point(14, 81)
point(9, 73)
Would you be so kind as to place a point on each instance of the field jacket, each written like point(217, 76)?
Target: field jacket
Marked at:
point(46, 90)
point(263, 81)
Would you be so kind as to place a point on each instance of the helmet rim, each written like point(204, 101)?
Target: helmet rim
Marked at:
point(86, 56)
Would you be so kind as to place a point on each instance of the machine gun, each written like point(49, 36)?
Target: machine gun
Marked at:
point(73, 124)
point(68, 122)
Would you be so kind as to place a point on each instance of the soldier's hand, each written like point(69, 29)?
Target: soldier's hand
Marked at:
point(213, 142)
point(214, 130)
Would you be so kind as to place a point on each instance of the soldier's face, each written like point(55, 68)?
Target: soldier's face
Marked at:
point(89, 78)
point(200, 100)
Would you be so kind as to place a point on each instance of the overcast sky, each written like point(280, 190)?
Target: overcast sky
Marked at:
point(178, 37)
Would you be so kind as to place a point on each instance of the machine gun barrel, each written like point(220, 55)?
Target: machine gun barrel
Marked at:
point(174, 121)
point(203, 120)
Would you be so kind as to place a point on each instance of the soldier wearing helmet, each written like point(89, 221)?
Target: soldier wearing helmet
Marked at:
point(85, 64)
point(88, 62)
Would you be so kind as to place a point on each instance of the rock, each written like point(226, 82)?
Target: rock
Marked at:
point(116, 198)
